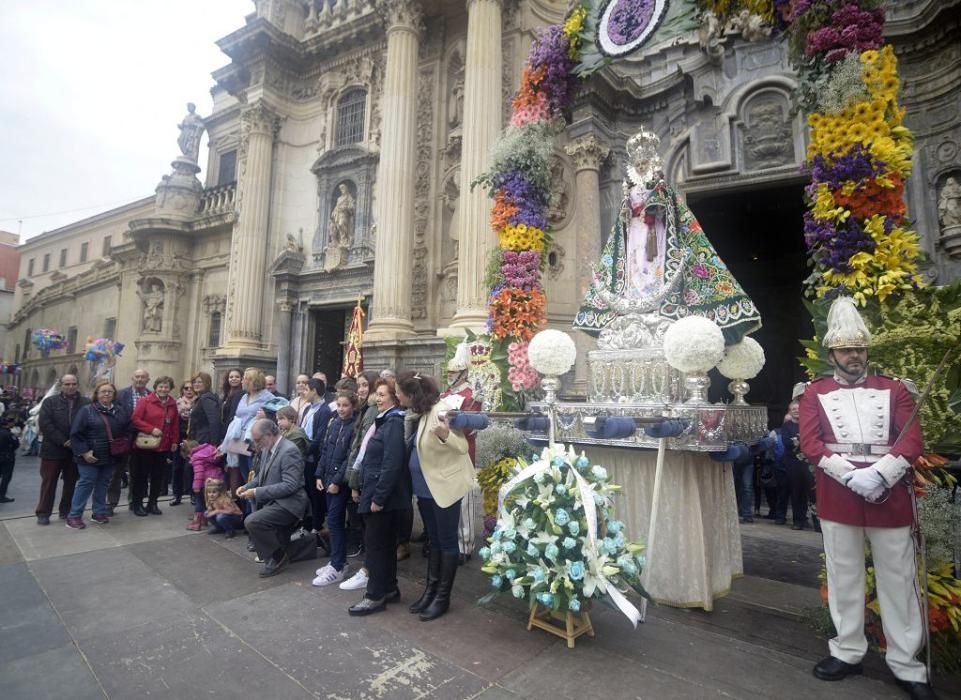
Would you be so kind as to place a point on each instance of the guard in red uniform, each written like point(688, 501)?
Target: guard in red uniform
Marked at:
point(460, 397)
point(849, 427)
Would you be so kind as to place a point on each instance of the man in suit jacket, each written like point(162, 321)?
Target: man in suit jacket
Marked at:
point(278, 490)
point(127, 399)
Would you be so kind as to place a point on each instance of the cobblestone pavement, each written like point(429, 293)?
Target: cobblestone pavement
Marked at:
point(142, 606)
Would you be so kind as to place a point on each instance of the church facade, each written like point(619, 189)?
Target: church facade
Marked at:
point(344, 138)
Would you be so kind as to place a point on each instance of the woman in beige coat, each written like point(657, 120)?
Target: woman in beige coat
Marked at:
point(442, 473)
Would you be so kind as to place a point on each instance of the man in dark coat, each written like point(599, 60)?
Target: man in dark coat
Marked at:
point(127, 399)
point(56, 458)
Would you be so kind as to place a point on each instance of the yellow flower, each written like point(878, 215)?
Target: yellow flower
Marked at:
point(869, 56)
point(857, 132)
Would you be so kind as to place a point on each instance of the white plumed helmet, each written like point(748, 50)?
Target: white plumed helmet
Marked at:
point(846, 328)
point(458, 363)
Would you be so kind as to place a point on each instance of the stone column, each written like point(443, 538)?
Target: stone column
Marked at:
point(391, 315)
point(282, 339)
point(483, 67)
point(588, 153)
point(249, 246)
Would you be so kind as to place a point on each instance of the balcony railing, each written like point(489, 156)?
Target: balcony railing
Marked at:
point(218, 200)
point(323, 15)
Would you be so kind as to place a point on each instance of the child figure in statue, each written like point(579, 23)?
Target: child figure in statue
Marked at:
point(658, 265)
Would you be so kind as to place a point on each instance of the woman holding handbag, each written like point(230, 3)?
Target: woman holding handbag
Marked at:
point(157, 422)
point(99, 439)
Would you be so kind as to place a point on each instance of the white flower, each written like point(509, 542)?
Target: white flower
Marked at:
point(551, 352)
point(693, 344)
point(742, 361)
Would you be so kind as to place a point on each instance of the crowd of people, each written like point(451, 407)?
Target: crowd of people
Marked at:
point(336, 467)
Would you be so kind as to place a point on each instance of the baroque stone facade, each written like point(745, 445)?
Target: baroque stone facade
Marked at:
point(396, 103)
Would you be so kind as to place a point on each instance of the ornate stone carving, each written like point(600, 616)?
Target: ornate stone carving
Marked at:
point(425, 157)
point(555, 260)
point(588, 153)
point(768, 139)
point(214, 303)
point(295, 245)
point(152, 294)
point(949, 214)
point(402, 14)
point(191, 128)
point(259, 119)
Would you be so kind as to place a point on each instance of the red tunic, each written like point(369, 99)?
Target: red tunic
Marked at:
point(468, 404)
point(875, 413)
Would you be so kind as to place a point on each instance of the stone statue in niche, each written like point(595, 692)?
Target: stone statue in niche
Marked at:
point(455, 101)
point(190, 130)
point(949, 204)
point(340, 230)
point(451, 217)
point(560, 193)
point(768, 142)
point(153, 301)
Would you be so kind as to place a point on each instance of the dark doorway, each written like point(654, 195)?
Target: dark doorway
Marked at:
point(329, 334)
point(759, 235)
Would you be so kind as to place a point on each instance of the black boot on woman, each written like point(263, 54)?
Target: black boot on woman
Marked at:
point(441, 602)
point(430, 589)
point(137, 508)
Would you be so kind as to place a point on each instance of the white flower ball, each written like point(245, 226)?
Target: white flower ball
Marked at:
point(742, 361)
point(551, 352)
point(693, 344)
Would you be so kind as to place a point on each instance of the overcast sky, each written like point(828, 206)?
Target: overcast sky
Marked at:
point(91, 95)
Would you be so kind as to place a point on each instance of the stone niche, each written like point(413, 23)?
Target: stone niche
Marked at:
point(766, 130)
point(354, 167)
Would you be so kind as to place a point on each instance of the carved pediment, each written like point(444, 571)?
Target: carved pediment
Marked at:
point(342, 157)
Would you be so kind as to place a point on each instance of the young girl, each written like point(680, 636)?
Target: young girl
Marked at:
point(331, 477)
point(287, 422)
point(222, 512)
point(207, 465)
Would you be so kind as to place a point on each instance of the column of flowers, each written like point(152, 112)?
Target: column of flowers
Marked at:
point(859, 154)
point(519, 182)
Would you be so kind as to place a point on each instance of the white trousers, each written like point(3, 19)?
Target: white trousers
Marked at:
point(899, 595)
point(465, 532)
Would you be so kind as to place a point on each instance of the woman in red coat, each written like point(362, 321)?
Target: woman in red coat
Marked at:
point(156, 417)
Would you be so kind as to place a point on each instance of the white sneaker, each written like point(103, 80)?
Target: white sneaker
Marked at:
point(355, 582)
point(329, 576)
point(321, 570)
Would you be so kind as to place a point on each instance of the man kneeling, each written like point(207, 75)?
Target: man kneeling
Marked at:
point(278, 492)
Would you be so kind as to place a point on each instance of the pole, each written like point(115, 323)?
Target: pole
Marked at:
point(652, 528)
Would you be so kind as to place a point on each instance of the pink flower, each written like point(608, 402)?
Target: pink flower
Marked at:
point(701, 271)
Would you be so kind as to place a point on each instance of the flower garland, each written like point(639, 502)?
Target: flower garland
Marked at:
point(541, 549)
point(519, 181)
point(860, 152)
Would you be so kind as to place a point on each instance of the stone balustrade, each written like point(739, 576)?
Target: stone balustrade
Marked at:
point(218, 200)
point(324, 15)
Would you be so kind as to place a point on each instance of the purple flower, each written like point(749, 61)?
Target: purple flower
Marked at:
point(629, 19)
point(550, 51)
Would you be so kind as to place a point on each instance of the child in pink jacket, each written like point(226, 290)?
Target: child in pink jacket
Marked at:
point(207, 465)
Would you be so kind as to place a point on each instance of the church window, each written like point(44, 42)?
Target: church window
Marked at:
point(46, 262)
point(71, 340)
point(84, 251)
point(350, 117)
point(109, 328)
point(63, 257)
point(227, 170)
point(106, 247)
point(30, 264)
point(213, 338)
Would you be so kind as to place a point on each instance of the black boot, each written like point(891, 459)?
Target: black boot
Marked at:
point(441, 602)
point(153, 509)
point(430, 590)
point(136, 507)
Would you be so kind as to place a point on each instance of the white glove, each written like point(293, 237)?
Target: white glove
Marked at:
point(891, 468)
point(864, 482)
point(836, 467)
point(875, 496)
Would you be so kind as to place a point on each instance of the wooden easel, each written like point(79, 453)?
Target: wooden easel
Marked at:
point(576, 624)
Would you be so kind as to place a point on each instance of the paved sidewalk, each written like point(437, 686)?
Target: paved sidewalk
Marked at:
point(142, 606)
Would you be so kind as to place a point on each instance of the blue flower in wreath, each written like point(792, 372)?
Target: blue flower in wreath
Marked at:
point(599, 472)
point(529, 523)
point(569, 543)
point(551, 551)
point(574, 528)
point(599, 500)
point(510, 574)
point(546, 599)
point(497, 581)
point(561, 517)
point(510, 534)
point(619, 540)
point(509, 547)
point(614, 526)
point(576, 570)
point(582, 462)
point(609, 545)
point(574, 605)
point(539, 575)
point(558, 461)
point(626, 562)
point(641, 560)
point(484, 553)
point(532, 550)
point(517, 591)
point(495, 547)
point(560, 489)
point(496, 534)
point(607, 260)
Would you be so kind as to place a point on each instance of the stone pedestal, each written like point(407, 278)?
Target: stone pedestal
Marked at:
point(391, 314)
point(588, 153)
point(178, 194)
point(951, 240)
point(483, 68)
point(249, 246)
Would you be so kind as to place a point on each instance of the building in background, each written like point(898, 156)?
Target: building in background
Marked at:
point(343, 140)
point(9, 270)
